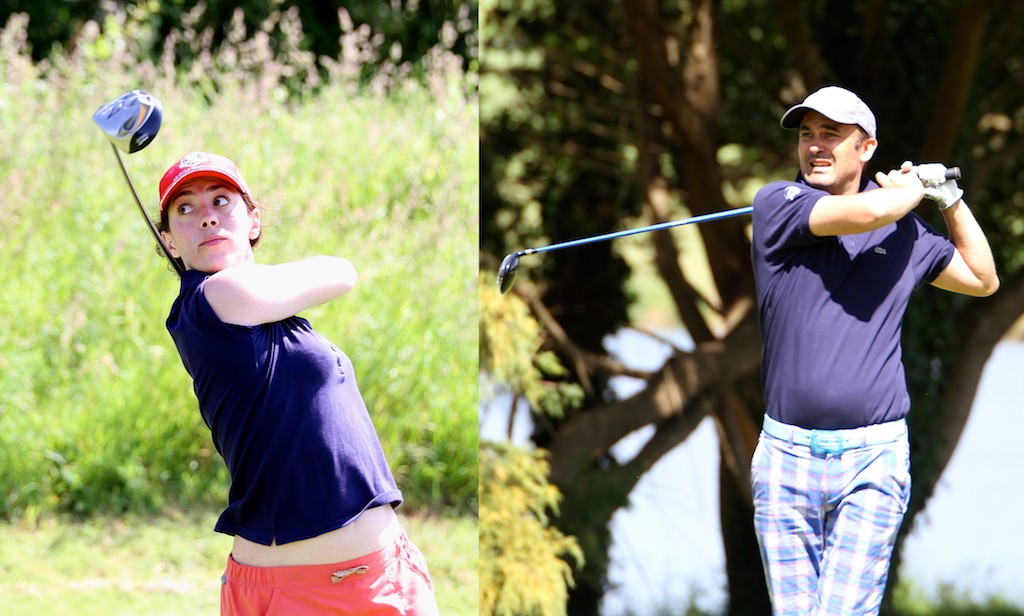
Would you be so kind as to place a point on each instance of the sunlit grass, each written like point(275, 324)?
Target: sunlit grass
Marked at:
point(171, 564)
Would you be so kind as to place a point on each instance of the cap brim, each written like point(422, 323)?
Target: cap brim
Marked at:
point(791, 119)
point(194, 174)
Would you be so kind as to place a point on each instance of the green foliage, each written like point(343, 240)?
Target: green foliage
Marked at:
point(404, 33)
point(511, 355)
point(525, 559)
point(536, 128)
point(909, 601)
point(522, 571)
point(96, 411)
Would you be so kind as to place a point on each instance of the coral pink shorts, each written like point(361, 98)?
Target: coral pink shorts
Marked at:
point(392, 580)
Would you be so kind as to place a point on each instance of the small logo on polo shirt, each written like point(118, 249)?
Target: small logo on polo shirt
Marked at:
point(792, 192)
point(879, 250)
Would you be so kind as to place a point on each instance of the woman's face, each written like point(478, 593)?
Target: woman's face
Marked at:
point(210, 225)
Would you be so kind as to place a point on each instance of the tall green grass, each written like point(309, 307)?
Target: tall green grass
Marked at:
point(96, 411)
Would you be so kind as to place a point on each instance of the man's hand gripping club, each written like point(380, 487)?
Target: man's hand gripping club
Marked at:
point(937, 187)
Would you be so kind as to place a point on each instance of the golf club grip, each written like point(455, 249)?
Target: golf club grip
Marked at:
point(953, 173)
point(142, 210)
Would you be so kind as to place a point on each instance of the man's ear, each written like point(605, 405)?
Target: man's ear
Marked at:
point(867, 149)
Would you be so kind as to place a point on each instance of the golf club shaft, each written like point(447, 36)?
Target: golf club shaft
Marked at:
point(142, 210)
point(951, 173)
point(657, 227)
point(510, 264)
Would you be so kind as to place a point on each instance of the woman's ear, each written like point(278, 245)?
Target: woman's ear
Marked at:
point(257, 224)
point(169, 242)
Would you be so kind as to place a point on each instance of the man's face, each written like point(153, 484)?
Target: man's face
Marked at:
point(832, 155)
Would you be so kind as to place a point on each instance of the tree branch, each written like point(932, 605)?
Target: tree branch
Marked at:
point(583, 360)
point(683, 381)
point(737, 437)
point(666, 259)
point(675, 430)
point(954, 88)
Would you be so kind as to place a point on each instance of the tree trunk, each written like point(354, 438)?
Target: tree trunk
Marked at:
point(738, 431)
point(748, 593)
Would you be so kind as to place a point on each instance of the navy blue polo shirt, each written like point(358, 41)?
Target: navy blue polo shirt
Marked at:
point(286, 415)
point(831, 310)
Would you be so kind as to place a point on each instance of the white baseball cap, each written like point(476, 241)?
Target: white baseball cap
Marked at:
point(835, 103)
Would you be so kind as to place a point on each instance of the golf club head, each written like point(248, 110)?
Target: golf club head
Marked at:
point(507, 272)
point(131, 121)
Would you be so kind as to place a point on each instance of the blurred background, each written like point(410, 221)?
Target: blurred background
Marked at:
point(620, 381)
point(357, 127)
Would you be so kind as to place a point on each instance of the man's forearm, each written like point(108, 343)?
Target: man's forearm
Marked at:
point(970, 241)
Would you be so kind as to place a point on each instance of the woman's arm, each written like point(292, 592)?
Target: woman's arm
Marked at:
point(253, 294)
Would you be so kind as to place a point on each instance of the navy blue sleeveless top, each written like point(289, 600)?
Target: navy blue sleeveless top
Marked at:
point(286, 415)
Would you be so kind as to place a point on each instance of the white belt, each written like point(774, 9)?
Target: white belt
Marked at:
point(836, 441)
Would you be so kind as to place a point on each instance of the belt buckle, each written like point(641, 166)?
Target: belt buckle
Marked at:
point(825, 444)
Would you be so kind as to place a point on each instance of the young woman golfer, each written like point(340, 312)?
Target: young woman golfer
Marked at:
point(311, 505)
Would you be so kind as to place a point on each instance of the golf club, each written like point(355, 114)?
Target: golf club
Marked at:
point(131, 122)
point(510, 264)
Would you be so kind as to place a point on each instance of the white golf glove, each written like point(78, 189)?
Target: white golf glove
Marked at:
point(936, 187)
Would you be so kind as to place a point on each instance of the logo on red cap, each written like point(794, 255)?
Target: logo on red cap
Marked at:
point(199, 164)
point(193, 159)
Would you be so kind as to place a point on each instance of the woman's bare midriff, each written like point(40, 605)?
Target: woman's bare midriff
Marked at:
point(374, 529)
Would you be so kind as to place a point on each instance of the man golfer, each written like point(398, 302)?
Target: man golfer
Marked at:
point(836, 257)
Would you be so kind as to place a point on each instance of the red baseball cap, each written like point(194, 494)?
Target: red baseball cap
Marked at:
point(197, 165)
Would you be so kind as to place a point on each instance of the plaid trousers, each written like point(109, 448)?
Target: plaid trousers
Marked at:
point(827, 522)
